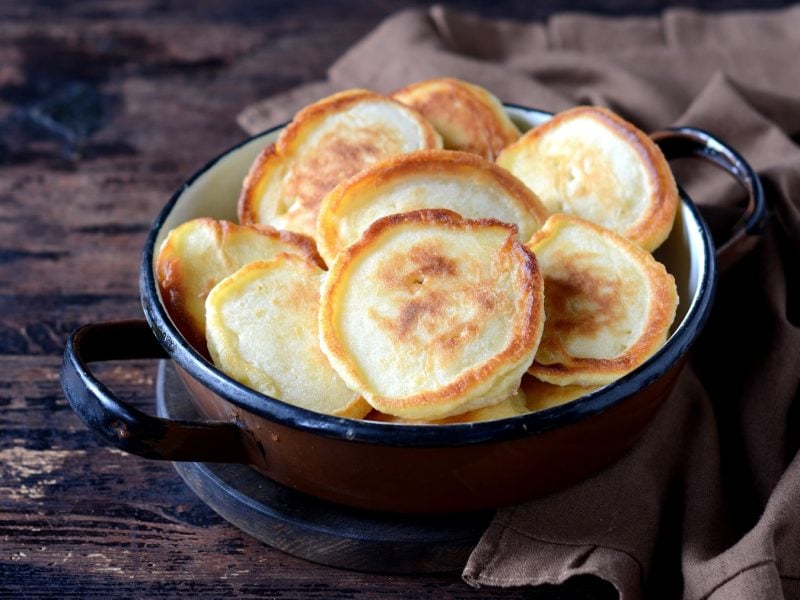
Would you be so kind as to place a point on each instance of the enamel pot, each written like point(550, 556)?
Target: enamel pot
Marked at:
point(384, 466)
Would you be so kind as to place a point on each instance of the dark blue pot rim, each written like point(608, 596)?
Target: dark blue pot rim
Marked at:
point(388, 434)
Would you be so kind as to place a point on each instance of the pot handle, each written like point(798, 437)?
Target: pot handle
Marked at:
point(123, 425)
point(690, 142)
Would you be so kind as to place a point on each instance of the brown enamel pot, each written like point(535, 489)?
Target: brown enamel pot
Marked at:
point(384, 466)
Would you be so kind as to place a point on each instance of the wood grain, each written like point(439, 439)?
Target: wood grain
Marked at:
point(105, 107)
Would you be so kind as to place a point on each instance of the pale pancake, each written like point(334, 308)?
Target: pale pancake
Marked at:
point(465, 183)
point(325, 143)
point(467, 116)
point(261, 324)
point(589, 162)
point(198, 254)
point(429, 314)
point(609, 303)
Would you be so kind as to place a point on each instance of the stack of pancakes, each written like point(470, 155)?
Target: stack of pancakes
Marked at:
point(415, 258)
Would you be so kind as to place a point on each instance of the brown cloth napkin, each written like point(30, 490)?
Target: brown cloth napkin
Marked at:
point(707, 503)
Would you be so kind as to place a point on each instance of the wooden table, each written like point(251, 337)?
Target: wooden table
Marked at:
point(104, 109)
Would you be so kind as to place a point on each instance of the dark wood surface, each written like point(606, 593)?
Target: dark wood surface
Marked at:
point(105, 107)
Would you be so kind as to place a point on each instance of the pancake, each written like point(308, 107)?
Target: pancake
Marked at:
point(198, 254)
point(429, 314)
point(533, 395)
point(609, 303)
point(467, 116)
point(589, 162)
point(325, 143)
point(510, 407)
point(540, 395)
point(261, 324)
point(465, 183)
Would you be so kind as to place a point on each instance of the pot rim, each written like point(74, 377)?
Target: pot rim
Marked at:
point(418, 435)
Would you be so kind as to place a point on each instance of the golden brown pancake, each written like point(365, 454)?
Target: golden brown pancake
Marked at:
point(261, 324)
point(533, 395)
point(467, 116)
point(324, 144)
point(465, 183)
point(540, 395)
point(510, 407)
point(589, 162)
point(429, 314)
point(609, 303)
point(198, 254)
